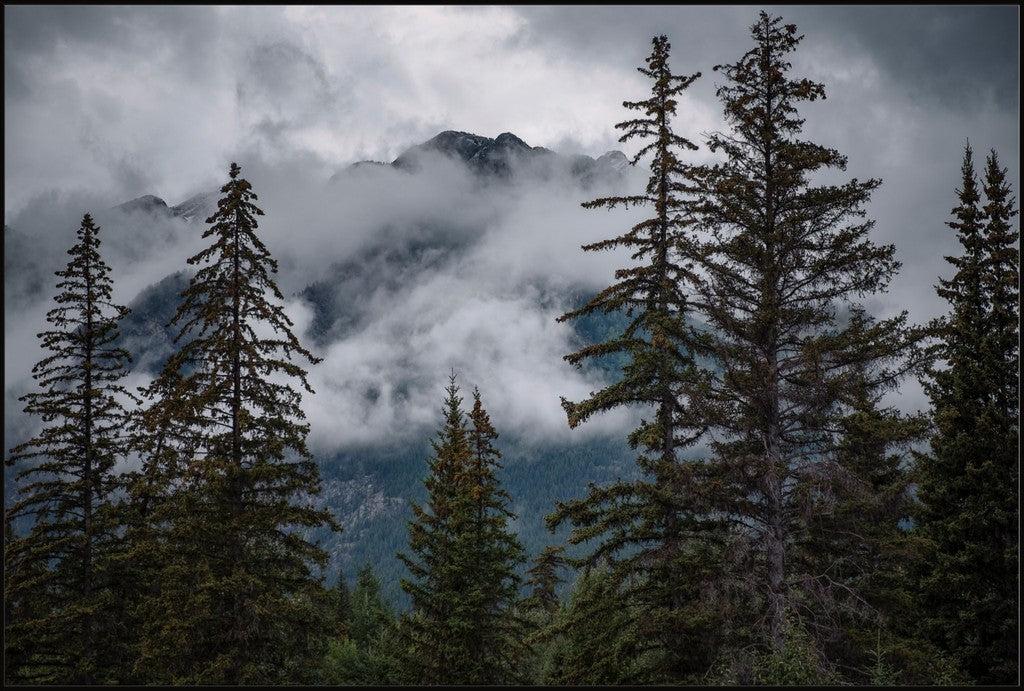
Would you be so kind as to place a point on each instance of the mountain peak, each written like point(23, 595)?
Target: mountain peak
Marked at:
point(484, 156)
point(509, 139)
point(197, 207)
point(147, 203)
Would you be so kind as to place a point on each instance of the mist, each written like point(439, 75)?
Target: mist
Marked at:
point(454, 273)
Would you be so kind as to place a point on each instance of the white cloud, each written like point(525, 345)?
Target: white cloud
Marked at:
point(105, 103)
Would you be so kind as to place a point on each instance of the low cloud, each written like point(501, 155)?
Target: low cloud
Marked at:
point(457, 274)
point(435, 271)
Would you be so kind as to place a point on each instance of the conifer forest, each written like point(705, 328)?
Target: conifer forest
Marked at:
point(735, 491)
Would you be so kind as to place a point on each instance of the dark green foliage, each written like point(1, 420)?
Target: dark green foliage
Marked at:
point(544, 578)
point(968, 484)
point(223, 499)
point(25, 646)
point(782, 259)
point(343, 608)
point(797, 663)
point(857, 533)
point(365, 654)
point(60, 577)
point(462, 629)
point(370, 616)
point(653, 532)
point(1001, 281)
point(593, 638)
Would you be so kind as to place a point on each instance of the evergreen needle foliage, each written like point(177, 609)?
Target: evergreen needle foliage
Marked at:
point(224, 500)
point(785, 525)
point(968, 485)
point(654, 533)
point(463, 628)
point(783, 266)
point(59, 584)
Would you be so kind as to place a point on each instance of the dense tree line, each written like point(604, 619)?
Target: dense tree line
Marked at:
point(785, 525)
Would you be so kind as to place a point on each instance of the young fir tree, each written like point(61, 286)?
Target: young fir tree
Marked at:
point(540, 609)
point(160, 436)
point(68, 599)
point(595, 634)
point(236, 599)
point(343, 604)
point(782, 258)
point(544, 579)
point(462, 629)
point(967, 485)
point(857, 532)
point(651, 531)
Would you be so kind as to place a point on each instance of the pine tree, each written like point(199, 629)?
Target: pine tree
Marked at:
point(1002, 349)
point(370, 615)
point(238, 598)
point(24, 659)
point(462, 629)
point(160, 437)
point(652, 530)
point(783, 261)
point(967, 486)
point(62, 568)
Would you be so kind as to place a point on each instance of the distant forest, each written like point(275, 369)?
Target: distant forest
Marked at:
point(783, 524)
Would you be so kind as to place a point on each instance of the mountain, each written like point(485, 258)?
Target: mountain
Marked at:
point(504, 157)
point(498, 157)
point(425, 234)
point(194, 209)
point(147, 203)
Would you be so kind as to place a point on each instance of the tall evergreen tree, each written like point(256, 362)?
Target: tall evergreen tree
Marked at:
point(62, 568)
point(652, 530)
point(238, 598)
point(1001, 277)
point(968, 484)
point(783, 263)
point(493, 598)
point(463, 629)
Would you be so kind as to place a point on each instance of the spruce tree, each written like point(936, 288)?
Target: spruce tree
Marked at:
point(462, 629)
point(1001, 278)
point(596, 634)
point(967, 486)
point(497, 629)
point(544, 579)
point(784, 262)
point(238, 597)
point(653, 530)
point(364, 654)
point(857, 531)
point(343, 610)
point(61, 571)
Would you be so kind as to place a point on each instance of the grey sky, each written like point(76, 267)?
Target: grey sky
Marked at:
point(105, 103)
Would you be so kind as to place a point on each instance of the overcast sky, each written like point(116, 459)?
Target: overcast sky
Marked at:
point(106, 103)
